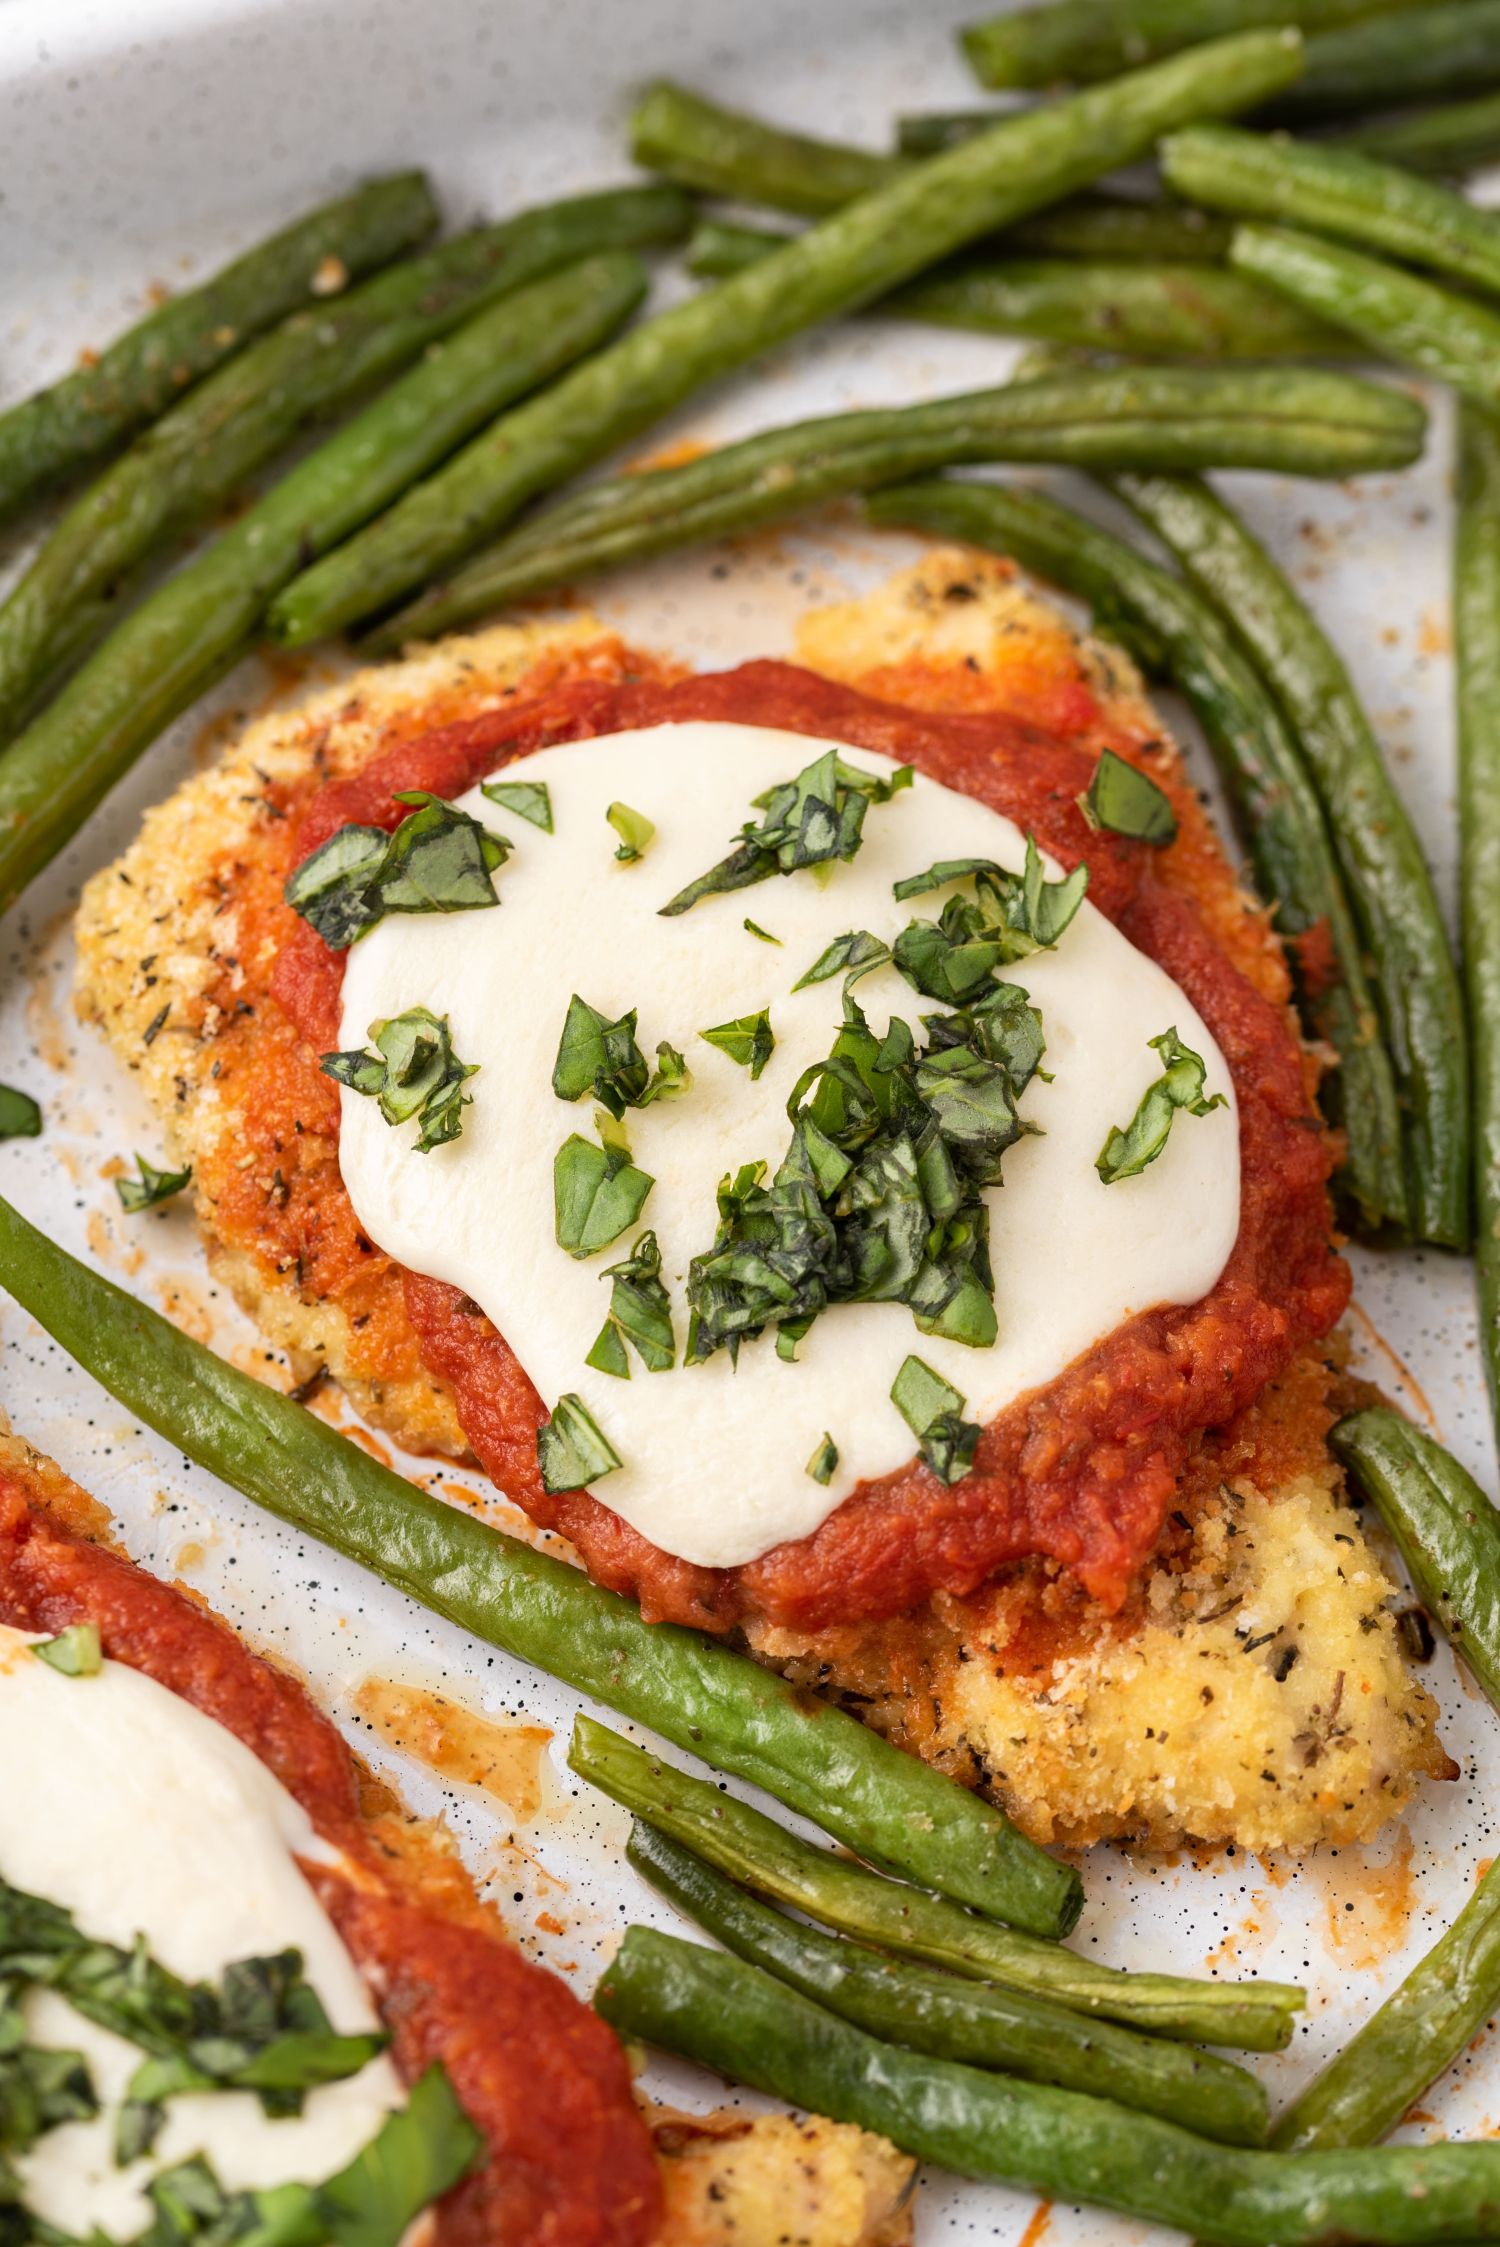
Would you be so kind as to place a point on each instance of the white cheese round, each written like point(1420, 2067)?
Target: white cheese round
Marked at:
point(141, 1816)
point(715, 1458)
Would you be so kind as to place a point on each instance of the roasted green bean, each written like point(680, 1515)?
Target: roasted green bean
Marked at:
point(862, 252)
point(984, 2026)
point(212, 441)
point(1173, 632)
point(1376, 206)
point(757, 1853)
point(61, 429)
point(1456, 136)
point(1476, 632)
point(1301, 419)
point(1446, 1528)
point(719, 151)
point(1385, 874)
point(1076, 41)
point(744, 2024)
point(1419, 53)
point(693, 1690)
point(204, 618)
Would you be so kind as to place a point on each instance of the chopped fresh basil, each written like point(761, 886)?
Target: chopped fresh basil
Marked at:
point(598, 1193)
point(20, 1117)
point(824, 1460)
point(1125, 1154)
point(854, 952)
point(948, 870)
point(763, 933)
point(438, 860)
point(640, 1312)
point(41, 2087)
point(747, 1040)
point(810, 821)
point(528, 799)
point(151, 1187)
point(75, 1651)
point(634, 829)
point(669, 1079)
point(599, 1056)
point(1126, 801)
point(1048, 907)
point(933, 1410)
point(572, 1450)
point(413, 1071)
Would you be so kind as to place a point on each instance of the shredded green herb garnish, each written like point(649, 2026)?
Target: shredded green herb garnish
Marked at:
point(599, 1056)
point(41, 2087)
point(1126, 801)
point(1009, 917)
point(634, 829)
point(824, 1460)
point(438, 860)
point(597, 1192)
point(151, 1187)
point(572, 1450)
point(933, 1410)
point(20, 1117)
point(413, 1071)
point(851, 953)
point(1125, 1154)
point(640, 1312)
point(528, 799)
point(763, 933)
point(810, 821)
point(76, 1651)
point(748, 1040)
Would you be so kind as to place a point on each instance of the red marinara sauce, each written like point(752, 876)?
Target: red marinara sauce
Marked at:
point(1083, 1470)
point(569, 2160)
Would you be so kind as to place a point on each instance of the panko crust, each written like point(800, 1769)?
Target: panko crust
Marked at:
point(1065, 1754)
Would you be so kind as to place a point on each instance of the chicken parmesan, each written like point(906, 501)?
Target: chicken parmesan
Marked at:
point(946, 1153)
point(240, 1979)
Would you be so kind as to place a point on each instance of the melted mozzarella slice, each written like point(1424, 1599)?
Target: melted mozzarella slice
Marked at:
point(141, 1816)
point(715, 1458)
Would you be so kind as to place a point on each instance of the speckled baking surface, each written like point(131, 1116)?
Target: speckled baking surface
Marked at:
point(144, 141)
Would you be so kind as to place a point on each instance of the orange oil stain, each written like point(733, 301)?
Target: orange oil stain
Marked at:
point(668, 456)
point(187, 1308)
point(367, 1442)
point(503, 1760)
point(550, 1924)
point(1038, 2224)
point(1368, 1907)
point(1434, 634)
point(1377, 1342)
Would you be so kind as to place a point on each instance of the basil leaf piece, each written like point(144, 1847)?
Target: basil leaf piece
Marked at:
point(1009, 917)
point(41, 2087)
point(599, 1056)
point(419, 2153)
point(669, 1079)
point(945, 871)
point(1126, 801)
point(20, 1117)
point(640, 1311)
point(598, 1193)
point(151, 1187)
point(634, 829)
point(764, 934)
point(1049, 906)
point(76, 1651)
point(528, 799)
point(1125, 1154)
point(413, 1072)
point(932, 1409)
point(438, 860)
point(572, 1450)
point(810, 821)
point(854, 951)
point(824, 1460)
point(747, 1040)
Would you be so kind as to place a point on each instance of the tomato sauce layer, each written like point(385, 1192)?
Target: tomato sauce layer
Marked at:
point(570, 2161)
point(1082, 1471)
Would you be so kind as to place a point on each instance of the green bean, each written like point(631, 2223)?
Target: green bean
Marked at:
point(1457, 136)
point(1140, 311)
point(1299, 419)
point(57, 431)
point(1335, 191)
point(1420, 53)
point(742, 2023)
point(953, 2020)
point(691, 1689)
point(859, 254)
point(1420, 2030)
point(1077, 41)
point(1388, 883)
point(762, 1856)
point(207, 446)
point(718, 151)
point(1399, 314)
point(1446, 1529)
point(1476, 631)
point(1174, 633)
point(169, 650)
